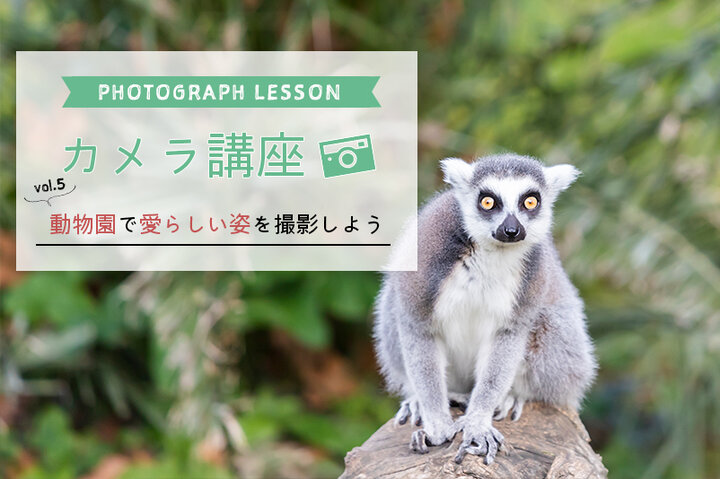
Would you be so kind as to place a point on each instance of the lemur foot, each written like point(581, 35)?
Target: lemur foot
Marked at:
point(510, 403)
point(433, 433)
point(409, 409)
point(479, 439)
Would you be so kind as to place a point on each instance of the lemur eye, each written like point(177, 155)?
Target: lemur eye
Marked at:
point(487, 203)
point(530, 202)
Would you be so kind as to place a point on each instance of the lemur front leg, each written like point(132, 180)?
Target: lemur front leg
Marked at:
point(493, 380)
point(425, 369)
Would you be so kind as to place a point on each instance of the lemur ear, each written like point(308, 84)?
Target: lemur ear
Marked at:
point(559, 177)
point(457, 172)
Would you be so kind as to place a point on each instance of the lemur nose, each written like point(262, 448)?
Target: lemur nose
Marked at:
point(511, 231)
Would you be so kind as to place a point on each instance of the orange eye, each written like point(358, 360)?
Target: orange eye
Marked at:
point(487, 203)
point(531, 202)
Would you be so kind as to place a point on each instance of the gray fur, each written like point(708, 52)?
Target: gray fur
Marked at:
point(540, 351)
point(507, 165)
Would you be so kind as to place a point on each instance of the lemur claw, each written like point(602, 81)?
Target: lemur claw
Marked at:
point(511, 404)
point(480, 441)
point(418, 442)
point(434, 433)
point(517, 411)
point(409, 409)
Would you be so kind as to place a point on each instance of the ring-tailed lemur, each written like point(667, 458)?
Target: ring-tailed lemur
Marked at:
point(490, 318)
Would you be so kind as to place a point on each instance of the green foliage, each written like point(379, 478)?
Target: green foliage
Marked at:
point(63, 453)
point(336, 431)
point(9, 449)
point(172, 468)
point(301, 303)
point(177, 461)
point(60, 299)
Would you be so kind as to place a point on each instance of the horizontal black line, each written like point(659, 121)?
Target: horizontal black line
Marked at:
point(212, 244)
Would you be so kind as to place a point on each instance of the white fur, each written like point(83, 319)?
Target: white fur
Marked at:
point(473, 303)
point(559, 177)
point(457, 172)
point(404, 251)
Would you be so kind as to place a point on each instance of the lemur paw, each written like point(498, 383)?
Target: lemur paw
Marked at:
point(511, 404)
point(409, 409)
point(433, 433)
point(479, 439)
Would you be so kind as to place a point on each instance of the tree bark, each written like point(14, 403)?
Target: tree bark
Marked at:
point(546, 442)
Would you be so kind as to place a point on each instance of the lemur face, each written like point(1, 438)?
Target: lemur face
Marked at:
point(507, 200)
point(509, 210)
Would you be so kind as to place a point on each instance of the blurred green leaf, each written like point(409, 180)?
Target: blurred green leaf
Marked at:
point(169, 467)
point(58, 297)
point(62, 452)
point(295, 312)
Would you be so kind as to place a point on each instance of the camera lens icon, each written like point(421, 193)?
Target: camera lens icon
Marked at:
point(345, 156)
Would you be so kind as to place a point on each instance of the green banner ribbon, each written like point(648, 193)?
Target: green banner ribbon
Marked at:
point(221, 91)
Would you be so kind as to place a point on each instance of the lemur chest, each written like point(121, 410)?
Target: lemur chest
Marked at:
point(473, 303)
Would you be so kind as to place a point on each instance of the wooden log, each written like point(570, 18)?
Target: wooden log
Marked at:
point(546, 442)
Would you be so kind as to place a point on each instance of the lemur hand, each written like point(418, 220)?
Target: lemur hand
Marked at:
point(479, 437)
point(436, 430)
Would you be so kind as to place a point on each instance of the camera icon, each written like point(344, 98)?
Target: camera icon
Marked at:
point(347, 155)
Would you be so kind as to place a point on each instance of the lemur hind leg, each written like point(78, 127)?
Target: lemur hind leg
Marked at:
point(559, 364)
point(512, 404)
